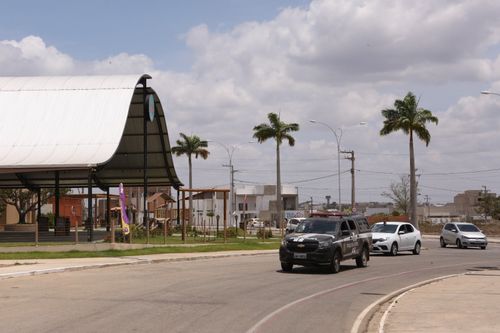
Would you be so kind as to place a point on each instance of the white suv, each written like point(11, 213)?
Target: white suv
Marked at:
point(391, 237)
point(462, 235)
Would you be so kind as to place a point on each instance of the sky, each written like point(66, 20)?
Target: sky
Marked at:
point(220, 66)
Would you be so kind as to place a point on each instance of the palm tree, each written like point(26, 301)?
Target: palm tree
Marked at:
point(409, 118)
point(279, 131)
point(190, 145)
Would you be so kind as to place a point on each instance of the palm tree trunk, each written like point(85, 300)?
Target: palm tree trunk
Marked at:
point(278, 188)
point(190, 193)
point(413, 185)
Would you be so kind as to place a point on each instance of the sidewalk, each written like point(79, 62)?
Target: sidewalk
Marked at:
point(25, 267)
point(466, 302)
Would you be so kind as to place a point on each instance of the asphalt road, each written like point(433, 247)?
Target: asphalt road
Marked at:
point(238, 294)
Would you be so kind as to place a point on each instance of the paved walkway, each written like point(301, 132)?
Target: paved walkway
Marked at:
point(462, 303)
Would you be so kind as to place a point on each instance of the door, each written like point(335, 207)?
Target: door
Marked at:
point(448, 234)
point(346, 240)
point(411, 236)
point(354, 238)
point(404, 241)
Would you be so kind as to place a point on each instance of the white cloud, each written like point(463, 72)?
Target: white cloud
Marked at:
point(339, 62)
point(31, 56)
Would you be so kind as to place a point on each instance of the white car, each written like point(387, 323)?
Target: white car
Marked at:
point(255, 223)
point(392, 237)
point(292, 223)
point(462, 235)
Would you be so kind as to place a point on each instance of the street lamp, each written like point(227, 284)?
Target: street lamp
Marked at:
point(487, 92)
point(338, 137)
point(230, 153)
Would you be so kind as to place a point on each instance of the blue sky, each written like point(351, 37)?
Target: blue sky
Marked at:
point(98, 29)
point(220, 66)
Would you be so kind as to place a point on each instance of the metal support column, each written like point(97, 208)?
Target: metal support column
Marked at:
point(178, 207)
point(57, 196)
point(145, 139)
point(90, 224)
point(38, 213)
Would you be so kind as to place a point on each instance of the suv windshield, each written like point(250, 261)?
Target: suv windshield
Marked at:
point(385, 228)
point(317, 227)
point(467, 227)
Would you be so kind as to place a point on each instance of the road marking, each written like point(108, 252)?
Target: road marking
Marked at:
point(359, 319)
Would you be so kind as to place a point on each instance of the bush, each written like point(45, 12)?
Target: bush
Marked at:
point(264, 233)
point(231, 232)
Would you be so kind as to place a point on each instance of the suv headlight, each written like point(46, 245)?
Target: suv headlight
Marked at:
point(324, 244)
point(283, 242)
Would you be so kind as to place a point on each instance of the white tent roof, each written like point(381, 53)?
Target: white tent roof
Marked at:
point(73, 123)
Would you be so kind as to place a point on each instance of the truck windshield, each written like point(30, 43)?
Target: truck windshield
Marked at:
point(317, 227)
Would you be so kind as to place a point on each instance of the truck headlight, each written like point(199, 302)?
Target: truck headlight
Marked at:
point(324, 244)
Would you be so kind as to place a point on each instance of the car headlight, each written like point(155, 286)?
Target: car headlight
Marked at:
point(465, 237)
point(324, 244)
point(382, 239)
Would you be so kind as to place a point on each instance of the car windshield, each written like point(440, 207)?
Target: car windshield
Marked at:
point(385, 228)
point(467, 227)
point(317, 227)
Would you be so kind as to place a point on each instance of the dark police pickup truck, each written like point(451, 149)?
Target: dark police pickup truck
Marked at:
point(319, 241)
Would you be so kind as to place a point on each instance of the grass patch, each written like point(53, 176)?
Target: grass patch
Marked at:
point(213, 246)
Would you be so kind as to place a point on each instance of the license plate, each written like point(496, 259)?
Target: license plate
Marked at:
point(300, 255)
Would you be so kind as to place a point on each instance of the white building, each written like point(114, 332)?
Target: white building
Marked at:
point(250, 201)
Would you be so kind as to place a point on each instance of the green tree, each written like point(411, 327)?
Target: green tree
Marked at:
point(24, 200)
point(411, 119)
point(488, 205)
point(279, 131)
point(189, 146)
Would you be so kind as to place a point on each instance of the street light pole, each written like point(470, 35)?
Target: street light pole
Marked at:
point(338, 139)
point(487, 92)
point(232, 200)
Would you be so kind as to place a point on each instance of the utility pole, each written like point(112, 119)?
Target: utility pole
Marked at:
point(353, 188)
point(311, 205)
point(428, 205)
point(232, 197)
point(486, 205)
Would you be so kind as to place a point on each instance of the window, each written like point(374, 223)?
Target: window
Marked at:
point(409, 228)
point(344, 226)
point(402, 228)
point(352, 225)
point(363, 224)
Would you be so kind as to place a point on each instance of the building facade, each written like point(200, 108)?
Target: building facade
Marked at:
point(250, 201)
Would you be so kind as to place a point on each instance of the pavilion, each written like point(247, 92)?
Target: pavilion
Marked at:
point(83, 131)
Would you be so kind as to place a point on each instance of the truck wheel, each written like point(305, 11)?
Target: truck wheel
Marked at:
point(362, 259)
point(335, 264)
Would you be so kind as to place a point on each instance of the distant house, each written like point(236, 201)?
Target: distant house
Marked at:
point(250, 201)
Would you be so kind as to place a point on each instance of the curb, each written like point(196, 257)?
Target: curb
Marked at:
point(362, 320)
point(137, 261)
